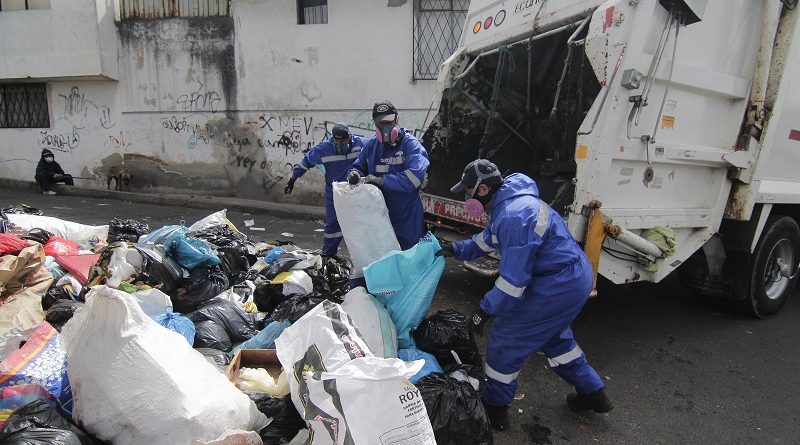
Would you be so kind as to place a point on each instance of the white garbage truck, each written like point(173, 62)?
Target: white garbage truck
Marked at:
point(666, 132)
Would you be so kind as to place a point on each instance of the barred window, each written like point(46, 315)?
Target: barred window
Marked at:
point(22, 5)
point(437, 28)
point(154, 9)
point(24, 105)
point(312, 12)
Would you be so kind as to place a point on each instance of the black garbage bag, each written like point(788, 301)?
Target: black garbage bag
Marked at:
point(38, 423)
point(286, 421)
point(455, 410)
point(159, 269)
point(238, 324)
point(203, 284)
point(61, 312)
point(126, 230)
point(332, 278)
point(235, 262)
point(41, 236)
point(295, 306)
point(22, 208)
point(267, 296)
point(444, 331)
point(3, 223)
point(209, 334)
point(220, 235)
point(280, 265)
point(215, 356)
point(53, 296)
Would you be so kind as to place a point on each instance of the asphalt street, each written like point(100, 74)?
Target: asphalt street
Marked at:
point(679, 369)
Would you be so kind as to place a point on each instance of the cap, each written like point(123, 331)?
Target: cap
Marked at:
point(476, 172)
point(46, 153)
point(341, 130)
point(383, 108)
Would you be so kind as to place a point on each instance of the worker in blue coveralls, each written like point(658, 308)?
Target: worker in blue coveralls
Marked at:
point(396, 162)
point(336, 155)
point(545, 279)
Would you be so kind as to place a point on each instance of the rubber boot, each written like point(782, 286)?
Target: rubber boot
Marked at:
point(596, 401)
point(498, 417)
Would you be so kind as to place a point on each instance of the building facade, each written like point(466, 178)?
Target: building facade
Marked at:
point(216, 97)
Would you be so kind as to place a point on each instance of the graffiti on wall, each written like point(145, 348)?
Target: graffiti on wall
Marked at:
point(199, 100)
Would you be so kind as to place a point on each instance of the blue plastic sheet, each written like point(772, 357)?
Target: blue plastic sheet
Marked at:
point(405, 283)
point(177, 323)
point(191, 252)
point(264, 339)
point(431, 365)
point(164, 234)
point(273, 255)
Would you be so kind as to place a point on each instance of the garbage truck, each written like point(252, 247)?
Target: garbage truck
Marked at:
point(666, 132)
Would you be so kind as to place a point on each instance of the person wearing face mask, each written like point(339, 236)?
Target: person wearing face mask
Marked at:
point(545, 279)
point(335, 155)
point(396, 162)
point(48, 172)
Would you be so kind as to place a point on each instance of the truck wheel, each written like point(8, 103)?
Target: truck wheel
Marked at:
point(778, 247)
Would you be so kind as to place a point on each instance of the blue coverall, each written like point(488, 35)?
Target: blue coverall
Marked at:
point(545, 279)
point(403, 169)
point(336, 168)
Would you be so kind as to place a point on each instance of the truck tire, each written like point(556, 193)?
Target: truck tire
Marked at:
point(769, 290)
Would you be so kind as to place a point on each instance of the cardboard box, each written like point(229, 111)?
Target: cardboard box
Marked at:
point(254, 358)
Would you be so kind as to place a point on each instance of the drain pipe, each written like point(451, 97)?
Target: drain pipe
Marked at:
point(634, 241)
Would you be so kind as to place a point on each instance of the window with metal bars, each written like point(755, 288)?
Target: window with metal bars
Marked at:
point(437, 28)
point(312, 12)
point(22, 5)
point(24, 105)
point(155, 9)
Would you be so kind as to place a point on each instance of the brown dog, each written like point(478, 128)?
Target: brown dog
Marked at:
point(122, 177)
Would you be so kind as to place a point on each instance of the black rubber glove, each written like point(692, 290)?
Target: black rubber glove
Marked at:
point(446, 250)
point(376, 180)
point(289, 187)
point(353, 177)
point(477, 321)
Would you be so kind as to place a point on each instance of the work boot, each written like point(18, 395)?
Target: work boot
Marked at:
point(498, 417)
point(596, 401)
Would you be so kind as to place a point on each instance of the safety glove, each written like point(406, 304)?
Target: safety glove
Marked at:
point(476, 322)
point(289, 187)
point(446, 250)
point(353, 178)
point(375, 180)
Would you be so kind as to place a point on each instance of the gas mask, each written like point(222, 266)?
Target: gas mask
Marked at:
point(48, 159)
point(387, 132)
point(340, 146)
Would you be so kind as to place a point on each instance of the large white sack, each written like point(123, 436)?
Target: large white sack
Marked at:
point(368, 400)
point(137, 382)
point(372, 319)
point(365, 223)
point(73, 231)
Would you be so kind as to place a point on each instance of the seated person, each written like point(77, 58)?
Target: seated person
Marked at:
point(49, 172)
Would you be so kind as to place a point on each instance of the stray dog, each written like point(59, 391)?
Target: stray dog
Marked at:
point(122, 177)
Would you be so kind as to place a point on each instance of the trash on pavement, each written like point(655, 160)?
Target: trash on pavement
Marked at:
point(79, 233)
point(38, 235)
point(238, 324)
point(39, 423)
point(446, 331)
point(455, 410)
point(373, 321)
point(296, 306)
point(202, 284)
point(191, 252)
point(128, 230)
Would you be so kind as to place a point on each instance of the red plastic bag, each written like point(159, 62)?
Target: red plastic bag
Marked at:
point(11, 244)
point(56, 246)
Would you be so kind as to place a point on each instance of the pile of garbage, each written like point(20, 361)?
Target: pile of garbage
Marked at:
point(125, 334)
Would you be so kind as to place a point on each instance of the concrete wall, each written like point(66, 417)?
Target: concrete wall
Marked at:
point(226, 105)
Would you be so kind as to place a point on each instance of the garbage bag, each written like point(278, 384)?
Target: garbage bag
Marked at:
point(128, 230)
point(295, 282)
point(164, 234)
point(54, 268)
point(209, 334)
point(11, 244)
point(61, 312)
point(373, 321)
point(286, 421)
point(267, 296)
point(216, 357)
point(3, 223)
point(53, 296)
point(21, 311)
point(79, 266)
point(405, 282)
point(296, 306)
point(202, 285)
point(152, 301)
point(365, 223)
point(455, 410)
point(265, 339)
point(159, 270)
point(214, 219)
point(40, 360)
point(111, 343)
point(234, 262)
point(445, 331)
point(15, 397)
point(274, 254)
point(221, 235)
point(118, 266)
point(39, 235)
point(24, 271)
point(79, 233)
point(191, 252)
point(238, 324)
point(177, 323)
point(39, 423)
point(22, 209)
point(279, 266)
point(431, 365)
point(56, 246)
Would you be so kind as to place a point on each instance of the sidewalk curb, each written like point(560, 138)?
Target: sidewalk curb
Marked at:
point(282, 210)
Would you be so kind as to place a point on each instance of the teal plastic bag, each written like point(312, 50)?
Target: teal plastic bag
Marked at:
point(431, 364)
point(164, 235)
point(405, 281)
point(191, 252)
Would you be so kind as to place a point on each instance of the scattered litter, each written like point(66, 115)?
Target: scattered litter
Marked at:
point(257, 229)
point(519, 396)
point(319, 230)
point(104, 204)
point(249, 222)
point(519, 411)
point(748, 332)
point(287, 234)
